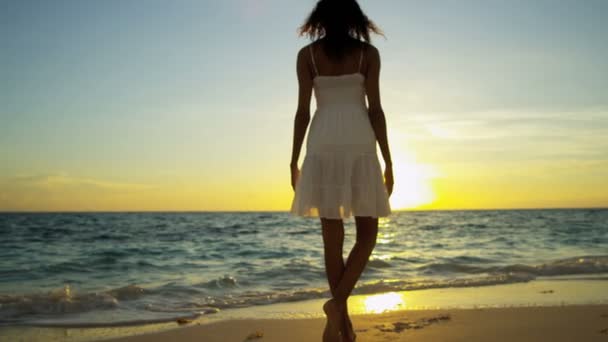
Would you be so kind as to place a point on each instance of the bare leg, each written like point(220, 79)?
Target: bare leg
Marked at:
point(367, 232)
point(333, 241)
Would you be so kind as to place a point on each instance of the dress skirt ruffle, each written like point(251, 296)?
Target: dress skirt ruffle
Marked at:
point(340, 184)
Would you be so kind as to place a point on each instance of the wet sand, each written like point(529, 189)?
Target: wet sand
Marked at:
point(554, 323)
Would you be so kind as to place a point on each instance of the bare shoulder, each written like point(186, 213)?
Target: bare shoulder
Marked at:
point(371, 51)
point(303, 63)
point(302, 53)
point(305, 50)
point(369, 46)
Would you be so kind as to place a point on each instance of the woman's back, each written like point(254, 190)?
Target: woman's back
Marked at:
point(340, 121)
point(342, 90)
point(349, 61)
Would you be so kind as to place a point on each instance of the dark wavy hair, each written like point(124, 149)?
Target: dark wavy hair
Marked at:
point(342, 23)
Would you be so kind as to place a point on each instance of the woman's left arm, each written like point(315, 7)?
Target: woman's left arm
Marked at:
point(302, 117)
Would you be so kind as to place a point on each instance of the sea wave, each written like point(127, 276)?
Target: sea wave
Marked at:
point(588, 264)
point(204, 298)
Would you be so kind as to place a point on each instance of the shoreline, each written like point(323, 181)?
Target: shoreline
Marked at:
point(532, 300)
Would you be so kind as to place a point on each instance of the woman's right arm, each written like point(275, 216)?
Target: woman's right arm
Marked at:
point(302, 117)
point(375, 112)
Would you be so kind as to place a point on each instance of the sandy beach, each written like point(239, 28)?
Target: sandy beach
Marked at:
point(557, 323)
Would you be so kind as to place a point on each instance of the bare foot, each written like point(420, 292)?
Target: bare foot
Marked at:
point(348, 331)
point(334, 320)
point(329, 334)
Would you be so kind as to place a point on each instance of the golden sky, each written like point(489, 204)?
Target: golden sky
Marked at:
point(496, 105)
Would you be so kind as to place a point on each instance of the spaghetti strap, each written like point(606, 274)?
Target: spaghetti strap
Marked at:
point(312, 57)
point(360, 60)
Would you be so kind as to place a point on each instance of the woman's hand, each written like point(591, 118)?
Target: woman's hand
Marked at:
point(388, 179)
point(295, 173)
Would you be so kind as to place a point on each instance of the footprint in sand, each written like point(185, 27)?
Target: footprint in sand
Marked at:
point(398, 327)
point(254, 335)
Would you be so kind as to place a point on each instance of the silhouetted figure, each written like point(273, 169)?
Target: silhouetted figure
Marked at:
point(341, 174)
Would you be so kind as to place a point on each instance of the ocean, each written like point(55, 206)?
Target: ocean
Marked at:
point(112, 268)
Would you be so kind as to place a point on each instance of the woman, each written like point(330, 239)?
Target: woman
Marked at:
point(341, 175)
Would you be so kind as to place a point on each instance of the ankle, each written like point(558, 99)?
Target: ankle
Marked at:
point(341, 305)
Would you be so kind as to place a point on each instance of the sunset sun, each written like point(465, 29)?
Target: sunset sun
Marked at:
point(412, 187)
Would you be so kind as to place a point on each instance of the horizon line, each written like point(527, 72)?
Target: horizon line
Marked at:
point(273, 211)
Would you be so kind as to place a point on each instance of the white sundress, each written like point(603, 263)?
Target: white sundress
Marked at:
point(340, 175)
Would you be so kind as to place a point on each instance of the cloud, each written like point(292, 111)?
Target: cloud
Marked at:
point(62, 181)
point(498, 136)
point(61, 191)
